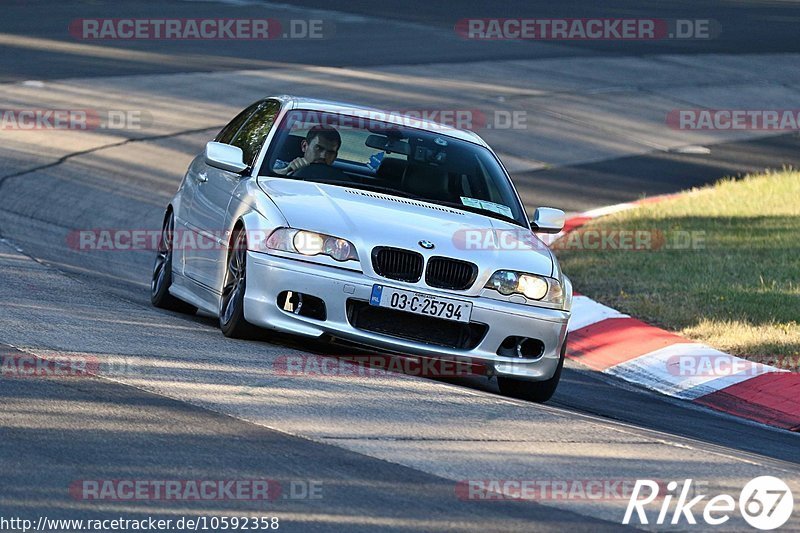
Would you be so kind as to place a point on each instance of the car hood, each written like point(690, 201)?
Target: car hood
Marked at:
point(370, 219)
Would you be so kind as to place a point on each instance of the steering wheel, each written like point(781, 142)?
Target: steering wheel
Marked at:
point(320, 171)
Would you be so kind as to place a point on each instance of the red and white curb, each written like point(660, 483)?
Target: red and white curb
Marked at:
point(611, 342)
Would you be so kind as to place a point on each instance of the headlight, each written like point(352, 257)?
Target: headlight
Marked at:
point(505, 282)
point(533, 287)
point(308, 243)
point(311, 243)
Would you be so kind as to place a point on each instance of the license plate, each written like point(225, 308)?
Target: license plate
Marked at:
point(420, 303)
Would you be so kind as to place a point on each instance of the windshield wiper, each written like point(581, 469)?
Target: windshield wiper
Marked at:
point(370, 187)
point(478, 210)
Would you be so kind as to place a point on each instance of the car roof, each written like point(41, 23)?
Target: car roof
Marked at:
point(328, 106)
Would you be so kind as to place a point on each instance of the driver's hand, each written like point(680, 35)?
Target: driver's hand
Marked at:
point(297, 164)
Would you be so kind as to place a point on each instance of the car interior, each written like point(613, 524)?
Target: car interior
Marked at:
point(408, 165)
point(424, 166)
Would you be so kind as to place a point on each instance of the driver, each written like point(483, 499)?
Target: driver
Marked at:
point(321, 145)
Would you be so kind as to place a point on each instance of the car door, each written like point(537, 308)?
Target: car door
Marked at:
point(189, 213)
point(212, 195)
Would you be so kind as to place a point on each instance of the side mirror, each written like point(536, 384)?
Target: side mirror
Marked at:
point(548, 220)
point(225, 157)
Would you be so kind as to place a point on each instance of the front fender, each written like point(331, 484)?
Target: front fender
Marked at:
point(252, 207)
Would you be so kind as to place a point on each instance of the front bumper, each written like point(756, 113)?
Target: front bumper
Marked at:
point(269, 275)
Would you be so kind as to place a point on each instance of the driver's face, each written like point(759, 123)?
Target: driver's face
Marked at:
point(320, 150)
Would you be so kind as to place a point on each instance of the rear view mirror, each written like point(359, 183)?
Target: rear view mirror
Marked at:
point(548, 220)
point(225, 157)
point(388, 144)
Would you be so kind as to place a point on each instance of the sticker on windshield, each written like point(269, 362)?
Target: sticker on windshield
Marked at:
point(487, 206)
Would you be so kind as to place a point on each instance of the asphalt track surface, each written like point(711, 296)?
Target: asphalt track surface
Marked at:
point(395, 33)
point(388, 452)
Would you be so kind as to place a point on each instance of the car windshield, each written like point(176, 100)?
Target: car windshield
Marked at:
point(396, 160)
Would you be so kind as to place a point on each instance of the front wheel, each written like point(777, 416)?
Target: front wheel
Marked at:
point(533, 391)
point(231, 308)
point(162, 272)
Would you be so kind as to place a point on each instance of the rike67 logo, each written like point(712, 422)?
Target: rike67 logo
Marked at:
point(765, 503)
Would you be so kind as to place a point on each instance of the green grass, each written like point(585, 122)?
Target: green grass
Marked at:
point(738, 290)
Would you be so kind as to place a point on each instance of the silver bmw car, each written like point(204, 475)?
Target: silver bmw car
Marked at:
point(348, 223)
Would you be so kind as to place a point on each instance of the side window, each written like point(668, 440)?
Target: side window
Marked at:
point(227, 133)
point(251, 136)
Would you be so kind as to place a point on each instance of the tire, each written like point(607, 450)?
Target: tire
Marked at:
point(533, 391)
point(231, 307)
point(162, 272)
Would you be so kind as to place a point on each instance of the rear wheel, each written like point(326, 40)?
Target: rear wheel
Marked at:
point(162, 272)
point(533, 391)
point(231, 309)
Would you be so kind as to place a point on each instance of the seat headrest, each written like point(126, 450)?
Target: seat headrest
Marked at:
point(429, 181)
point(391, 170)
